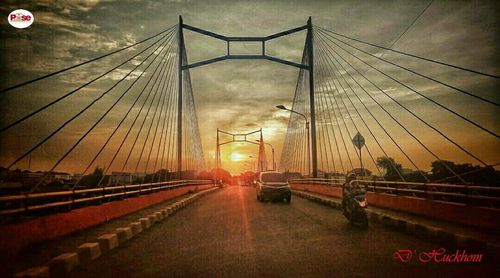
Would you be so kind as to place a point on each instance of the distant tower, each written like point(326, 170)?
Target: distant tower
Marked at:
point(262, 162)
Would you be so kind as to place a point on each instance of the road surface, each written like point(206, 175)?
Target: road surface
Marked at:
point(230, 234)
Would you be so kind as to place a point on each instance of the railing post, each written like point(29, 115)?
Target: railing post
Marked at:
point(72, 198)
point(466, 193)
point(103, 194)
point(26, 201)
point(426, 193)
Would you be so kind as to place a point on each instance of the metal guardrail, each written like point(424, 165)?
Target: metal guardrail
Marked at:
point(16, 204)
point(469, 194)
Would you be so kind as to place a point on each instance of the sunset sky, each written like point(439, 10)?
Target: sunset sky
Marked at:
point(240, 96)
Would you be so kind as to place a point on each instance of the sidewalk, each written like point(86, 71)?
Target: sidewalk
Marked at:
point(456, 235)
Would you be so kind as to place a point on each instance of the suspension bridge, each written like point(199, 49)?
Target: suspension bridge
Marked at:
point(143, 129)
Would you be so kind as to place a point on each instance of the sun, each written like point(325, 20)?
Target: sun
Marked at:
point(236, 157)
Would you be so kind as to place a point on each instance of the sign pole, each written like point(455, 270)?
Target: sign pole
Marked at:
point(359, 141)
point(361, 161)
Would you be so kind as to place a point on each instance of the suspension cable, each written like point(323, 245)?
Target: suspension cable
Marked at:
point(161, 100)
point(121, 122)
point(328, 64)
point(167, 122)
point(31, 114)
point(385, 110)
point(412, 55)
point(102, 116)
point(83, 63)
point(76, 115)
point(411, 24)
point(415, 115)
point(414, 72)
point(418, 93)
point(162, 111)
point(345, 106)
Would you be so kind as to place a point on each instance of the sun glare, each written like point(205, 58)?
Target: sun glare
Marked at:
point(236, 157)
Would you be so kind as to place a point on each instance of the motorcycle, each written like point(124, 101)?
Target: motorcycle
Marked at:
point(354, 208)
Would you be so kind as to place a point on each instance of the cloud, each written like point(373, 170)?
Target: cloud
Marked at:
point(241, 95)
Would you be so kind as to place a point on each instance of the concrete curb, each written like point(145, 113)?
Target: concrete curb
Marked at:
point(108, 242)
point(124, 234)
point(152, 219)
point(136, 228)
point(145, 222)
point(88, 252)
point(159, 215)
point(409, 227)
point(63, 264)
point(35, 272)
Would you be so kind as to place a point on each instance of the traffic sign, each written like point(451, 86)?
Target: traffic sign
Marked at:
point(358, 140)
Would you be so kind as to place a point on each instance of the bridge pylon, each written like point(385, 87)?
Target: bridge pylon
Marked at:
point(308, 66)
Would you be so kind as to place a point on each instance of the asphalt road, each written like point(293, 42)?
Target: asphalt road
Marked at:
point(230, 234)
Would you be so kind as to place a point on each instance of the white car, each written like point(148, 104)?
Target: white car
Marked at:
point(274, 186)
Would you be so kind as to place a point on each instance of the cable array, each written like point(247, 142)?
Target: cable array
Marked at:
point(294, 154)
point(351, 96)
point(141, 142)
point(192, 146)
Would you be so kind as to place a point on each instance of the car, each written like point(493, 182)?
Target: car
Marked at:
point(273, 186)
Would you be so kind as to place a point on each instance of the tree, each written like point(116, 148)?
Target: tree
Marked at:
point(223, 175)
point(94, 178)
point(162, 175)
point(205, 175)
point(248, 177)
point(470, 173)
point(390, 166)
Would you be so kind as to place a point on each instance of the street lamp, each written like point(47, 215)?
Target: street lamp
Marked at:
point(272, 148)
point(282, 107)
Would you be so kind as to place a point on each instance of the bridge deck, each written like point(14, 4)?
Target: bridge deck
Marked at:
point(229, 233)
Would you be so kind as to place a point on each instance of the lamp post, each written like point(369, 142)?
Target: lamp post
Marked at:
point(272, 149)
point(282, 107)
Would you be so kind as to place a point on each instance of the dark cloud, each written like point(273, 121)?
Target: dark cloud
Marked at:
point(241, 95)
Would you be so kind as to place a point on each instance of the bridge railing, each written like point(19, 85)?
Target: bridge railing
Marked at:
point(468, 194)
point(67, 199)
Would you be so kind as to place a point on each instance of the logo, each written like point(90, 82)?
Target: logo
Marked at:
point(21, 18)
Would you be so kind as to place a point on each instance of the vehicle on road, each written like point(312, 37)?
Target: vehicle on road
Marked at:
point(273, 186)
point(354, 202)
